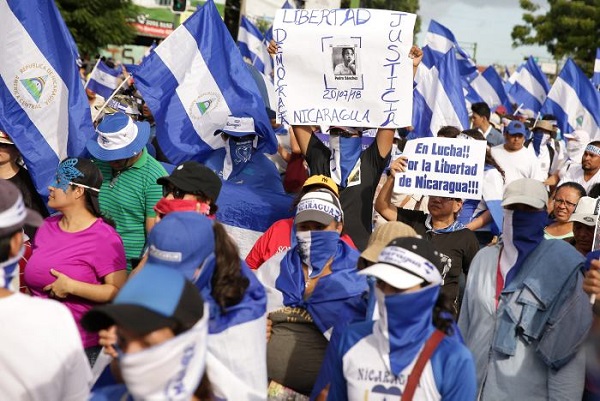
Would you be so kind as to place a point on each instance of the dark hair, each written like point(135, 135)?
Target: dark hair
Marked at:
point(577, 187)
point(549, 117)
point(5, 245)
point(594, 191)
point(443, 315)
point(345, 49)
point(448, 132)
point(482, 109)
point(489, 159)
point(228, 283)
point(92, 177)
point(595, 143)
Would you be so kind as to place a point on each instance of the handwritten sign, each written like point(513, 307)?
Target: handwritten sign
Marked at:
point(443, 167)
point(344, 67)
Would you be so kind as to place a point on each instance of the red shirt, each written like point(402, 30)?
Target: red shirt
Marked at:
point(275, 240)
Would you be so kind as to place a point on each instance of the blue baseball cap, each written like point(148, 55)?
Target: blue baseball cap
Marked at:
point(118, 137)
point(152, 299)
point(516, 128)
point(181, 241)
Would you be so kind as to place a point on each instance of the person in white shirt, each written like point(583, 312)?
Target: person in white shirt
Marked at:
point(516, 160)
point(587, 174)
point(42, 356)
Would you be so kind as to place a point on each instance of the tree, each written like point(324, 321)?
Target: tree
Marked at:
point(97, 23)
point(569, 29)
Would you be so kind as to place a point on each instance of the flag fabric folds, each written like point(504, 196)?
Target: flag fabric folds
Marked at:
point(253, 46)
point(489, 87)
point(441, 39)
point(103, 79)
point(193, 81)
point(530, 87)
point(43, 106)
point(574, 101)
point(439, 99)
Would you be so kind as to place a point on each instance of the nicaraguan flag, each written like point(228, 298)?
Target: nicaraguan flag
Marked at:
point(574, 101)
point(193, 81)
point(489, 87)
point(253, 46)
point(247, 212)
point(43, 106)
point(530, 88)
point(441, 39)
point(439, 100)
point(104, 80)
point(596, 76)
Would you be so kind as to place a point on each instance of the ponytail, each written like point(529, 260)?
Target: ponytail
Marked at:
point(228, 283)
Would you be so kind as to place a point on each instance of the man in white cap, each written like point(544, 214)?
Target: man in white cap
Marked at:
point(310, 289)
point(41, 357)
point(584, 223)
point(391, 348)
point(129, 190)
point(239, 161)
point(524, 314)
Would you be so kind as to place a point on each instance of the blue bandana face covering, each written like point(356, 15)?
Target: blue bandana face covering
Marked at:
point(345, 153)
point(316, 248)
point(66, 173)
point(405, 321)
point(522, 232)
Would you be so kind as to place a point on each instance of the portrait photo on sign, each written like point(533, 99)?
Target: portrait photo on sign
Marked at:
point(344, 59)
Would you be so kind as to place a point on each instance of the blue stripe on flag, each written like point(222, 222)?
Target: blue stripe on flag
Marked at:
point(252, 45)
point(574, 101)
point(42, 146)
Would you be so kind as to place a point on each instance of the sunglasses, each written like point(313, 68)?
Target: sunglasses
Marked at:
point(6, 145)
point(177, 193)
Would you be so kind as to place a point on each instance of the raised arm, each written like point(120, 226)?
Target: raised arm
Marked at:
point(383, 203)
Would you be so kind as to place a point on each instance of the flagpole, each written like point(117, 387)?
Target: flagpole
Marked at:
point(518, 108)
point(91, 72)
point(110, 97)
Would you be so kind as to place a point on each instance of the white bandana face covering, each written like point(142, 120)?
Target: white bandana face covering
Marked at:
point(168, 371)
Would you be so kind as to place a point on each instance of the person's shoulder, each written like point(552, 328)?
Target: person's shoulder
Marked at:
point(354, 333)
point(50, 309)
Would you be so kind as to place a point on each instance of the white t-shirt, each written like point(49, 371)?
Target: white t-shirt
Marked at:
point(520, 164)
point(575, 174)
point(41, 357)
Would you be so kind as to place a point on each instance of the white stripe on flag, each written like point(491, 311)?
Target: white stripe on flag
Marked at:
point(48, 112)
point(257, 47)
point(531, 85)
point(436, 98)
point(110, 81)
point(195, 84)
point(566, 97)
point(597, 65)
point(486, 91)
point(438, 43)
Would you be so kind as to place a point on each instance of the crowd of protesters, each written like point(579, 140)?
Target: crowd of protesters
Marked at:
point(131, 287)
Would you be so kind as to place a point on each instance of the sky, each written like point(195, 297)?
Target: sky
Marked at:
point(488, 23)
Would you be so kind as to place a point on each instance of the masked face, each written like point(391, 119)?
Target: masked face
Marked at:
point(161, 366)
point(317, 247)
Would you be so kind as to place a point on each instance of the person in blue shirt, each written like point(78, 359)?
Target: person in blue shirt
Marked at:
point(239, 161)
point(376, 360)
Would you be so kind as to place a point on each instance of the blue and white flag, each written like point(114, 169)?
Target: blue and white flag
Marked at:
point(253, 46)
point(530, 87)
point(193, 81)
point(441, 39)
point(43, 106)
point(574, 101)
point(596, 76)
point(489, 87)
point(103, 79)
point(439, 100)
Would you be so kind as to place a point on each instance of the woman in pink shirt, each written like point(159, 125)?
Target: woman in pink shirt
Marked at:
point(78, 258)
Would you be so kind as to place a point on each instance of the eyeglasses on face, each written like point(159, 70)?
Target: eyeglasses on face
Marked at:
point(176, 192)
point(565, 203)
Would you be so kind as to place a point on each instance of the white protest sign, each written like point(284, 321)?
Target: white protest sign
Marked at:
point(345, 67)
point(448, 167)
